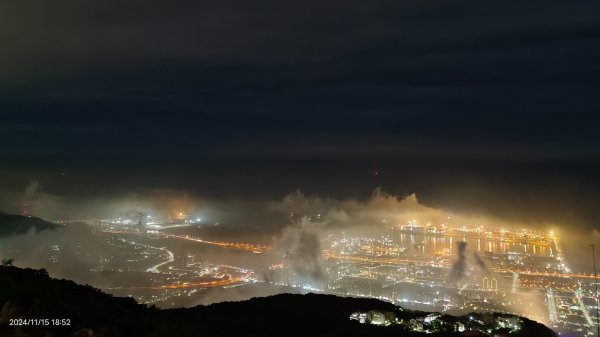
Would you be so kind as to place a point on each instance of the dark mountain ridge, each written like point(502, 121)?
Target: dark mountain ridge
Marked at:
point(12, 224)
point(30, 296)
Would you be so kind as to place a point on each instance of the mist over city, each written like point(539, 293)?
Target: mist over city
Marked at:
point(441, 157)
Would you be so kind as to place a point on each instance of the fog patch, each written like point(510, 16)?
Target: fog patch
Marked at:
point(300, 245)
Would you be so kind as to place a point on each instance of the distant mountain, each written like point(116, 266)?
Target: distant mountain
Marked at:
point(11, 224)
point(27, 295)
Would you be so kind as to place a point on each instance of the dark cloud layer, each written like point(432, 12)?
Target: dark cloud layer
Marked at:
point(472, 105)
point(499, 80)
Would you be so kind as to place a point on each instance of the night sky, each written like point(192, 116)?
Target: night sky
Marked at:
point(473, 105)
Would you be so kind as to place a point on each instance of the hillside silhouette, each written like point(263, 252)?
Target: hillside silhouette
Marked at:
point(12, 224)
point(32, 294)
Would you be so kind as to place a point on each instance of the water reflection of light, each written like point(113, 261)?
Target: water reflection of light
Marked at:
point(430, 244)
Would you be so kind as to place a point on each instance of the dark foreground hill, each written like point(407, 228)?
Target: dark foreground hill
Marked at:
point(42, 305)
point(11, 224)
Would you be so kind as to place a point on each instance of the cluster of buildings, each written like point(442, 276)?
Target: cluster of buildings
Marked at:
point(515, 271)
point(483, 324)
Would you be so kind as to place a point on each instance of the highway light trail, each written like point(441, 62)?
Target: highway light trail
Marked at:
point(227, 245)
point(171, 258)
point(185, 285)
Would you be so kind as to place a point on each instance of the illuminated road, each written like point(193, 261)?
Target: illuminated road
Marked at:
point(186, 285)
point(586, 314)
point(227, 245)
point(226, 281)
point(154, 268)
